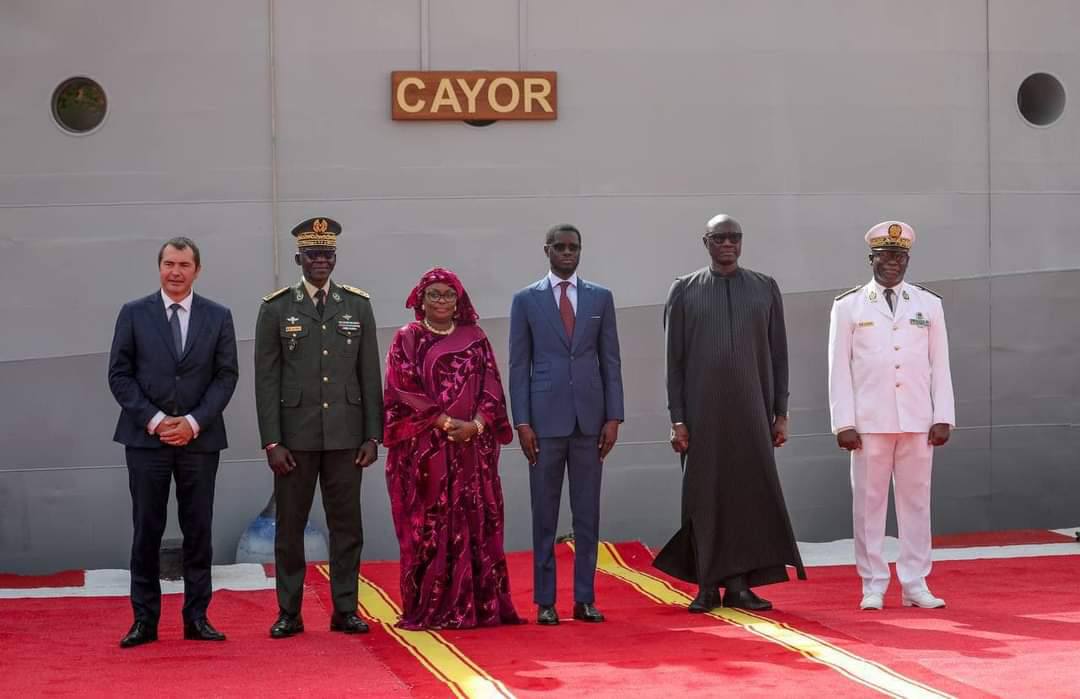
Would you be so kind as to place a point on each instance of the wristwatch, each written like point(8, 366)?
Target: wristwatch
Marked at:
point(271, 445)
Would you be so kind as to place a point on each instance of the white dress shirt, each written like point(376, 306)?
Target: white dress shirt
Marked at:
point(571, 291)
point(185, 320)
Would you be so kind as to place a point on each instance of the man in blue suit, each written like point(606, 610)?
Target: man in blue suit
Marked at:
point(172, 369)
point(567, 398)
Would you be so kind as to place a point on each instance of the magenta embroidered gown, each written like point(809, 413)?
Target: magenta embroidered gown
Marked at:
point(446, 497)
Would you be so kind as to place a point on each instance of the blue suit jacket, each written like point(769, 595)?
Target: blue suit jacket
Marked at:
point(146, 375)
point(557, 382)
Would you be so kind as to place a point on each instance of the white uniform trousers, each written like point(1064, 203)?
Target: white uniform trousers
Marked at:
point(906, 459)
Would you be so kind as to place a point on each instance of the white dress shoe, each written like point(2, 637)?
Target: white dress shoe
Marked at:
point(922, 598)
point(872, 600)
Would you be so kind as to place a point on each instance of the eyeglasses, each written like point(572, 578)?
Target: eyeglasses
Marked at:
point(889, 255)
point(563, 247)
point(717, 238)
point(320, 254)
point(436, 297)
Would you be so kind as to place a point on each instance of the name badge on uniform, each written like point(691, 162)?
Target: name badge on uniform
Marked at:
point(920, 321)
point(866, 323)
point(294, 328)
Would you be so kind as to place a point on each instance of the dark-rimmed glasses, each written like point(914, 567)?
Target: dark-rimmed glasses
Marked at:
point(717, 238)
point(436, 297)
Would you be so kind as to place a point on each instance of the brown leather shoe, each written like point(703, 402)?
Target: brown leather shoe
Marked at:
point(349, 622)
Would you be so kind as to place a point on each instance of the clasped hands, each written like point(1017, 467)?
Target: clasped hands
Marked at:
point(459, 430)
point(174, 431)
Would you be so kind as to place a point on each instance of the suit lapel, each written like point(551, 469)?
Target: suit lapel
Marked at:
point(333, 305)
point(905, 305)
point(195, 324)
point(303, 303)
point(877, 301)
point(545, 299)
point(160, 318)
point(584, 309)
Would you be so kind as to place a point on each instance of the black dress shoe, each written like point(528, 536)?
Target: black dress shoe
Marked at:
point(348, 622)
point(708, 599)
point(746, 599)
point(201, 630)
point(587, 611)
point(140, 632)
point(546, 615)
point(287, 625)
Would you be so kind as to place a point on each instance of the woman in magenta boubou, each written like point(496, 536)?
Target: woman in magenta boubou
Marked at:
point(445, 423)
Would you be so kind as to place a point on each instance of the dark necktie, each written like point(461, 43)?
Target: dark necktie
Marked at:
point(174, 324)
point(889, 296)
point(566, 311)
point(320, 302)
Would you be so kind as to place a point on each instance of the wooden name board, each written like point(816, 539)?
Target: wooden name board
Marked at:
point(473, 94)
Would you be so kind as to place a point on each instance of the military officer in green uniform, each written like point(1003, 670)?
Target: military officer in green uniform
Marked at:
point(318, 393)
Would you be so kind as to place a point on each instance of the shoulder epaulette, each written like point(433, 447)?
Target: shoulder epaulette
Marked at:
point(274, 294)
point(929, 291)
point(849, 292)
point(355, 290)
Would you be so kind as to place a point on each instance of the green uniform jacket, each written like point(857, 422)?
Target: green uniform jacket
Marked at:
point(317, 382)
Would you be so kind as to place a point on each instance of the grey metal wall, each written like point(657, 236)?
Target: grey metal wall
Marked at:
point(809, 122)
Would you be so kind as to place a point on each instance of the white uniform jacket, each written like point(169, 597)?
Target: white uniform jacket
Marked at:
point(889, 373)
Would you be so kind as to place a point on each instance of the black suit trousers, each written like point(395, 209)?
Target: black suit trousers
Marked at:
point(150, 476)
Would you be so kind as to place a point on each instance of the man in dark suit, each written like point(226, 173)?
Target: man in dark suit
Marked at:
point(172, 369)
point(318, 392)
point(567, 398)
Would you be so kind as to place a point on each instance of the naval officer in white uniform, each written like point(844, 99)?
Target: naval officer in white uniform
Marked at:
point(891, 403)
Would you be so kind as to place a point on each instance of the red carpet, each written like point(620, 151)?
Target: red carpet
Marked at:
point(643, 649)
point(66, 578)
point(1014, 537)
point(68, 647)
point(1011, 629)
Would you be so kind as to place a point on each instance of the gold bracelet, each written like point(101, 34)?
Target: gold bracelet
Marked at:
point(479, 425)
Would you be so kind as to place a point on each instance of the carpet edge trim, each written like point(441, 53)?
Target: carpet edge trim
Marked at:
point(861, 670)
point(447, 663)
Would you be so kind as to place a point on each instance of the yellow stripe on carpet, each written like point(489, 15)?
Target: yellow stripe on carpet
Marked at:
point(441, 658)
point(861, 670)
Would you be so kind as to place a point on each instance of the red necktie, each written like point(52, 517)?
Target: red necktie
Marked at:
point(566, 311)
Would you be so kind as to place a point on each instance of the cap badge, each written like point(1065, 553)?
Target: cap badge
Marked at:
point(895, 231)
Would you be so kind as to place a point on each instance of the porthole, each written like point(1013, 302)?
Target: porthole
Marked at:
point(1041, 99)
point(79, 105)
